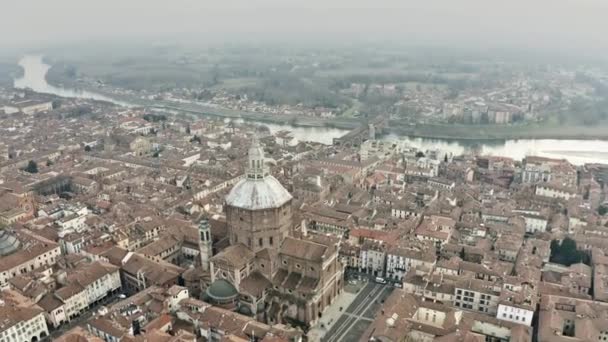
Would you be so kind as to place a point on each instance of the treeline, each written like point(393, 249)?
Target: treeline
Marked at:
point(7, 71)
point(585, 111)
point(291, 90)
point(155, 117)
point(415, 77)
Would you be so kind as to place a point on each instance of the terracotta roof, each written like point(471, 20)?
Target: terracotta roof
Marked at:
point(303, 249)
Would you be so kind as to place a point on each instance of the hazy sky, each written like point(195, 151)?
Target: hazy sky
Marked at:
point(567, 23)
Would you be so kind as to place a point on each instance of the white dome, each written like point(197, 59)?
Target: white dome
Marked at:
point(254, 194)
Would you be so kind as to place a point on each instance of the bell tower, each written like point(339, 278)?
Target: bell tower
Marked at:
point(205, 244)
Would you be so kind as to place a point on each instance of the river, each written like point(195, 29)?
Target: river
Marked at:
point(576, 151)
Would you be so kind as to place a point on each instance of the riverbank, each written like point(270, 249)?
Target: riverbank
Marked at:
point(427, 131)
point(206, 110)
point(36, 78)
point(502, 132)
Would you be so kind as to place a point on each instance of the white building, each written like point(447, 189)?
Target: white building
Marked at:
point(99, 279)
point(535, 223)
point(536, 173)
point(373, 258)
point(555, 191)
point(22, 320)
point(28, 107)
point(74, 299)
point(40, 252)
point(175, 295)
point(82, 288)
point(72, 221)
point(399, 260)
point(515, 313)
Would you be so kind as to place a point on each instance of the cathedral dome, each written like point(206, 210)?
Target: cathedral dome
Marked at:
point(8, 243)
point(255, 194)
point(259, 190)
point(221, 291)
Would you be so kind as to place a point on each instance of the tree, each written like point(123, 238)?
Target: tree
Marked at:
point(195, 138)
point(445, 158)
point(31, 167)
point(70, 71)
point(154, 117)
point(419, 154)
point(56, 103)
point(87, 148)
point(566, 253)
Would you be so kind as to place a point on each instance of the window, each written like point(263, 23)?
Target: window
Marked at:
point(284, 262)
point(261, 242)
point(270, 240)
point(298, 266)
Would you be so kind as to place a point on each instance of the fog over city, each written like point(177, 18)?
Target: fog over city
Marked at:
point(534, 24)
point(304, 170)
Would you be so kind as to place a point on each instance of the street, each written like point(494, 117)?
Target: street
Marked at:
point(84, 317)
point(359, 315)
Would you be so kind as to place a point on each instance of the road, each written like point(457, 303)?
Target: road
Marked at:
point(83, 318)
point(359, 315)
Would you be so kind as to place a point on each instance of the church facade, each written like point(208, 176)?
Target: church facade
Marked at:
point(266, 272)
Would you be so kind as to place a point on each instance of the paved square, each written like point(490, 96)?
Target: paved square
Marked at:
point(359, 315)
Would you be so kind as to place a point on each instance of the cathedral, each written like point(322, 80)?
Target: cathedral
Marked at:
point(267, 272)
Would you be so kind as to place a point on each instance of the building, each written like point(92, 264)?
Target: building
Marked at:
point(535, 222)
point(139, 272)
point(258, 208)
point(23, 251)
point(441, 184)
point(99, 279)
point(570, 319)
point(401, 259)
point(15, 207)
point(477, 295)
point(373, 258)
point(437, 229)
point(217, 324)
point(140, 146)
point(21, 319)
point(407, 318)
point(555, 191)
point(28, 107)
point(266, 272)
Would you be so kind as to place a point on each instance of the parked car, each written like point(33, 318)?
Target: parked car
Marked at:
point(380, 280)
